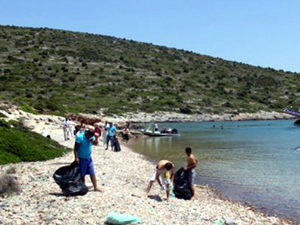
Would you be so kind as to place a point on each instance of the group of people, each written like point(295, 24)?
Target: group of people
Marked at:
point(163, 173)
point(84, 141)
point(83, 150)
point(108, 131)
point(70, 129)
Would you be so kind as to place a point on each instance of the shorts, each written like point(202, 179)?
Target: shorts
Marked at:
point(164, 180)
point(86, 166)
point(191, 174)
point(126, 137)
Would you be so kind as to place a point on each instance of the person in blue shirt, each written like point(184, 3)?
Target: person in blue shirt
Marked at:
point(83, 155)
point(111, 132)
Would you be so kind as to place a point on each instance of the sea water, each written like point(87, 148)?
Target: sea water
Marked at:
point(253, 162)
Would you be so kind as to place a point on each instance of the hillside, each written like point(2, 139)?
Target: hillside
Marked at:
point(19, 144)
point(56, 71)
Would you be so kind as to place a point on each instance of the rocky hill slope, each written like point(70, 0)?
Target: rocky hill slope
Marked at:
point(61, 72)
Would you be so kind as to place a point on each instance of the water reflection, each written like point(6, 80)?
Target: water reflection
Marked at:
point(157, 144)
point(157, 148)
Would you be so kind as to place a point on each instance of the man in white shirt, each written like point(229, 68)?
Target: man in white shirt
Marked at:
point(66, 129)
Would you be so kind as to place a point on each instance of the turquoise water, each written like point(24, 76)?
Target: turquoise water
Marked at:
point(253, 162)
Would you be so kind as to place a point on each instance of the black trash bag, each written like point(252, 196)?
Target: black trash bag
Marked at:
point(181, 186)
point(116, 145)
point(74, 189)
point(174, 131)
point(69, 180)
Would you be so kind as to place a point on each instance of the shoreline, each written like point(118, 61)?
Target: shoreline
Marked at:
point(141, 117)
point(245, 204)
point(41, 201)
point(124, 177)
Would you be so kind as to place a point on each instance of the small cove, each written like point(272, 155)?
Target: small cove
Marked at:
point(249, 161)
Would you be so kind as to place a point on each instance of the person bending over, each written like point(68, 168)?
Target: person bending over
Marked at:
point(164, 175)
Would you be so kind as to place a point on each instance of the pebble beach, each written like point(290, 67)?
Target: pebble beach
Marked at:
point(123, 176)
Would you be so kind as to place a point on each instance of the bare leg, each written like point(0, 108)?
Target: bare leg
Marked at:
point(168, 192)
point(65, 133)
point(94, 181)
point(148, 188)
point(193, 191)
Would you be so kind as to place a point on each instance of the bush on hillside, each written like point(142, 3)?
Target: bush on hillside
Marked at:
point(2, 115)
point(27, 108)
point(186, 110)
point(4, 124)
point(17, 144)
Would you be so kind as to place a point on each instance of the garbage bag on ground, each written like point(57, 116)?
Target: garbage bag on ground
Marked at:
point(117, 218)
point(116, 144)
point(181, 187)
point(69, 180)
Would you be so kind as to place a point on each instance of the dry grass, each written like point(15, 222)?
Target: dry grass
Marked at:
point(9, 185)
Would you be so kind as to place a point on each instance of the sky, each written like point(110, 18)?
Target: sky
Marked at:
point(262, 33)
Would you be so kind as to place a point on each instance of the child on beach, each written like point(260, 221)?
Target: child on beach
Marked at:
point(83, 152)
point(162, 171)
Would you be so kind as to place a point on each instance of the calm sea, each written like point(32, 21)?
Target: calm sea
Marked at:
point(256, 162)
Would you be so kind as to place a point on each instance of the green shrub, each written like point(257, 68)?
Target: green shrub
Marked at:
point(53, 105)
point(3, 123)
point(17, 144)
point(2, 115)
point(186, 110)
point(27, 108)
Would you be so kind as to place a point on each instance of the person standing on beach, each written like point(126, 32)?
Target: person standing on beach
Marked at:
point(125, 134)
point(97, 131)
point(83, 152)
point(162, 171)
point(190, 170)
point(111, 132)
point(79, 128)
point(66, 128)
point(104, 133)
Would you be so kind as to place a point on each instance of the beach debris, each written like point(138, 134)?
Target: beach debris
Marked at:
point(124, 218)
point(223, 221)
point(69, 180)
point(220, 222)
point(181, 189)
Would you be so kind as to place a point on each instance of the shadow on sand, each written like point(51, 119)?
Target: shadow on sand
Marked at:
point(156, 198)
